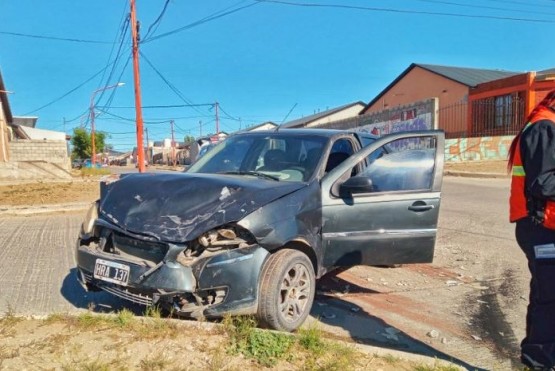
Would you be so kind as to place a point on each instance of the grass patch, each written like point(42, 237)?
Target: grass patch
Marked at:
point(390, 359)
point(265, 347)
point(155, 363)
point(436, 367)
point(91, 171)
point(8, 321)
point(94, 365)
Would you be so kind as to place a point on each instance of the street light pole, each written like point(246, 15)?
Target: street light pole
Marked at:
point(91, 107)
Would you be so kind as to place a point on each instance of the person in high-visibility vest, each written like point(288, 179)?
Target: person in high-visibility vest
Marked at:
point(532, 208)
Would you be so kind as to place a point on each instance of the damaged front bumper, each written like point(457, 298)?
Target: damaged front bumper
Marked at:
point(225, 282)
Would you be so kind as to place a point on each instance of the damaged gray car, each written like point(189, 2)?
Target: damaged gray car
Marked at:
point(252, 224)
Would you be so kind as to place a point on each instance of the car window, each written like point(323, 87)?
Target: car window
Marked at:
point(285, 157)
point(340, 151)
point(406, 165)
point(402, 165)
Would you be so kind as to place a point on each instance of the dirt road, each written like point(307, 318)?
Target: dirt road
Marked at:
point(467, 306)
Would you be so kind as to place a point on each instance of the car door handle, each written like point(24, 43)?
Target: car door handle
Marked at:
point(420, 206)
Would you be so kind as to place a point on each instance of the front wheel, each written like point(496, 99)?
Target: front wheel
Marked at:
point(287, 290)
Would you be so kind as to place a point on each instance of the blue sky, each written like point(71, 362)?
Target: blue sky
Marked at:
point(258, 62)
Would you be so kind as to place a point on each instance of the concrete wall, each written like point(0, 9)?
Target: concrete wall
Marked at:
point(40, 150)
point(471, 149)
point(416, 116)
point(4, 144)
point(341, 115)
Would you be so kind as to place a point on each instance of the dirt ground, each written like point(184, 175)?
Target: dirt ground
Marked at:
point(50, 193)
point(126, 342)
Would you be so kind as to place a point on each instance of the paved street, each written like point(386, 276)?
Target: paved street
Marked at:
point(472, 296)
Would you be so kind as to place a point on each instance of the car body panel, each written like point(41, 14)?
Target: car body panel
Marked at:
point(376, 228)
point(179, 207)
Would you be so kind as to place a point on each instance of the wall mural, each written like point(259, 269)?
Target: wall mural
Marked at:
point(485, 148)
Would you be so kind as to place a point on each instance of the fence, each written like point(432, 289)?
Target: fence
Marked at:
point(500, 116)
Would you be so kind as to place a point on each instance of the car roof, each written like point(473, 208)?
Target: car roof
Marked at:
point(303, 132)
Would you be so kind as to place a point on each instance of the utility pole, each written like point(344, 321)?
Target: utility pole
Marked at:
point(148, 147)
point(200, 128)
point(138, 107)
point(173, 144)
point(217, 120)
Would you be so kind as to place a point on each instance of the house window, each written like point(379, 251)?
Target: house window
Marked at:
point(503, 114)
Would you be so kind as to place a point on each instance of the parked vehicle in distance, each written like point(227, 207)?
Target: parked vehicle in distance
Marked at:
point(145, 161)
point(251, 225)
point(87, 163)
point(76, 164)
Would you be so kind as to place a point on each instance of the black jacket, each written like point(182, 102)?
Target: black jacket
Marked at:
point(537, 150)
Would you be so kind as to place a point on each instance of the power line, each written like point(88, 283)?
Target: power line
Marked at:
point(169, 84)
point(69, 92)
point(482, 7)
point(122, 32)
point(54, 38)
point(390, 10)
point(228, 115)
point(209, 18)
point(156, 23)
point(520, 3)
point(164, 106)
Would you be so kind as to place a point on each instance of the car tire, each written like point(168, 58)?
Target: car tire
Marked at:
point(287, 288)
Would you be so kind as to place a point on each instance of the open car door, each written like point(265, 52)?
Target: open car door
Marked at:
point(381, 205)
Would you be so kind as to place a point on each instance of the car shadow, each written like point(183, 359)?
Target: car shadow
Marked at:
point(96, 301)
point(345, 318)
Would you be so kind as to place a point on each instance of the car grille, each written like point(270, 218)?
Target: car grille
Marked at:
point(119, 291)
point(125, 246)
point(126, 294)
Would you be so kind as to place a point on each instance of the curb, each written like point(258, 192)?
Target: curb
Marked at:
point(43, 209)
point(469, 174)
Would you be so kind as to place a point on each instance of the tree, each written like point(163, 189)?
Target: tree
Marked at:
point(82, 144)
point(189, 139)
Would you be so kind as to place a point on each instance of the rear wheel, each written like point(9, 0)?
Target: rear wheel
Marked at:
point(286, 290)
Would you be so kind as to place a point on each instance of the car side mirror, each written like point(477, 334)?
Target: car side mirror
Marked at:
point(356, 184)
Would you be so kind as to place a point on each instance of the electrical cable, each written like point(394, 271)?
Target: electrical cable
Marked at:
point(227, 114)
point(123, 31)
point(391, 10)
point(124, 21)
point(53, 38)
point(169, 84)
point(206, 19)
point(69, 92)
point(482, 7)
point(156, 23)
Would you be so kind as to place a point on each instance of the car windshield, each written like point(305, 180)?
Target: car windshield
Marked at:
point(272, 156)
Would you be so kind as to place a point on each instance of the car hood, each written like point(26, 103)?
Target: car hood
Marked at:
point(180, 207)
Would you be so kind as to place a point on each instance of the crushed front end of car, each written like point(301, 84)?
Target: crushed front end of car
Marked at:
point(174, 240)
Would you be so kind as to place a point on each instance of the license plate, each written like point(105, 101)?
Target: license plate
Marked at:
point(108, 271)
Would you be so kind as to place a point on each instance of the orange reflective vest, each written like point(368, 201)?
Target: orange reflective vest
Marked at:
point(518, 201)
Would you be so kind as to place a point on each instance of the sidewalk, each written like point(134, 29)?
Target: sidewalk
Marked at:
point(477, 169)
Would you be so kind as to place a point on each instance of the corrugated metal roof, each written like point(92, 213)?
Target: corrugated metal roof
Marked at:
point(467, 76)
point(307, 119)
point(463, 75)
point(546, 72)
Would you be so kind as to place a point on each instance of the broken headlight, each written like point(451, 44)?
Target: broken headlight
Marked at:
point(215, 241)
point(87, 227)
